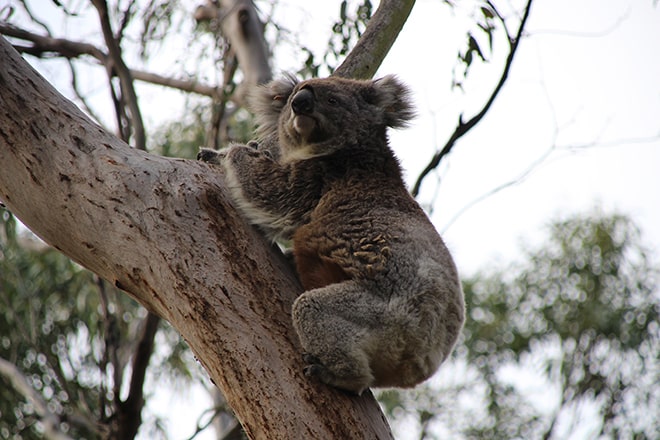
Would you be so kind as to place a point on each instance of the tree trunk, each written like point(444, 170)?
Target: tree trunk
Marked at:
point(241, 26)
point(163, 230)
point(366, 57)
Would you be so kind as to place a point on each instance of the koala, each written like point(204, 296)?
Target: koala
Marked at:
point(383, 304)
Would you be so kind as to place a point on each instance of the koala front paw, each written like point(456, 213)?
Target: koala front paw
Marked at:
point(211, 156)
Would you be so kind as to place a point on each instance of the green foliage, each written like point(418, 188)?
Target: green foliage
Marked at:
point(573, 329)
point(183, 138)
point(67, 332)
point(348, 29)
point(486, 22)
point(48, 332)
point(345, 33)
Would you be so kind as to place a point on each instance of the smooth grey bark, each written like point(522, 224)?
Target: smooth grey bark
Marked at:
point(366, 57)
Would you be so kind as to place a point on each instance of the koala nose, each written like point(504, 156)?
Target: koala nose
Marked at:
point(303, 102)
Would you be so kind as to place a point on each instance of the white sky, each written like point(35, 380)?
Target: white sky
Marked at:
point(588, 72)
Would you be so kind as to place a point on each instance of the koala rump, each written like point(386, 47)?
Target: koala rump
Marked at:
point(383, 304)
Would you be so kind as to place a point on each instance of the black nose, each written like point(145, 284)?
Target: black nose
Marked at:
point(303, 102)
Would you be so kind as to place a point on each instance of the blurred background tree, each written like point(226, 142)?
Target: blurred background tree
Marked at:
point(565, 341)
point(69, 344)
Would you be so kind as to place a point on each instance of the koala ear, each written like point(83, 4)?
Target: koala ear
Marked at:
point(267, 101)
point(393, 97)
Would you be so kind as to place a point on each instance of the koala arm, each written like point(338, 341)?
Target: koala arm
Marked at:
point(277, 197)
point(210, 156)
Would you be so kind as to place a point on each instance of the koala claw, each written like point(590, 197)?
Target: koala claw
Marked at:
point(313, 370)
point(311, 359)
point(210, 156)
point(314, 365)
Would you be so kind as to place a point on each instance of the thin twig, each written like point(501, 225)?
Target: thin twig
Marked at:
point(125, 78)
point(43, 46)
point(34, 18)
point(534, 165)
point(79, 96)
point(464, 127)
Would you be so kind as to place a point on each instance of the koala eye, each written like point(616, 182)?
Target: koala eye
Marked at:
point(332, 100)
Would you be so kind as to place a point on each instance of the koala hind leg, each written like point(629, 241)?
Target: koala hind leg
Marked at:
point(333, 324)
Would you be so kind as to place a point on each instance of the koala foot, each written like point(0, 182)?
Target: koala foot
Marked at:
point(316, 369)
point(310, 359)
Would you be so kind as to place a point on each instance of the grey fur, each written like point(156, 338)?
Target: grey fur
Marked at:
point(383, 304)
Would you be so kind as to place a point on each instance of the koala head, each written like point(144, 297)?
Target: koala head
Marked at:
point(319, 116)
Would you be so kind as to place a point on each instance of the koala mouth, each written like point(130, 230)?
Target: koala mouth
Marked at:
point(304, 125)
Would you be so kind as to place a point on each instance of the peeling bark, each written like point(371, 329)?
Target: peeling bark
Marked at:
point(163, 230)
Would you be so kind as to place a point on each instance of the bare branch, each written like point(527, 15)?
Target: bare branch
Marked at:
point(45, 45)
point(218, 124)
point(192, 86)
point(79, 96)
point(515, 181)
point(33, 17)
point(463, 127)
point(587, 34)
point(541, 159)
point(128, 94)
point(110, 348)
point(379, 36)
point(129, 411)
point(126, 17)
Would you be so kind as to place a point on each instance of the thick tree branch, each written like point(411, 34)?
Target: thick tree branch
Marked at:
point(163, 230)
point(463, 127)
point(379, 36)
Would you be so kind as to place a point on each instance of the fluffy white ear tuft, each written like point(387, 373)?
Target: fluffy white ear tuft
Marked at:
point(393, 97)
point(267, 101)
